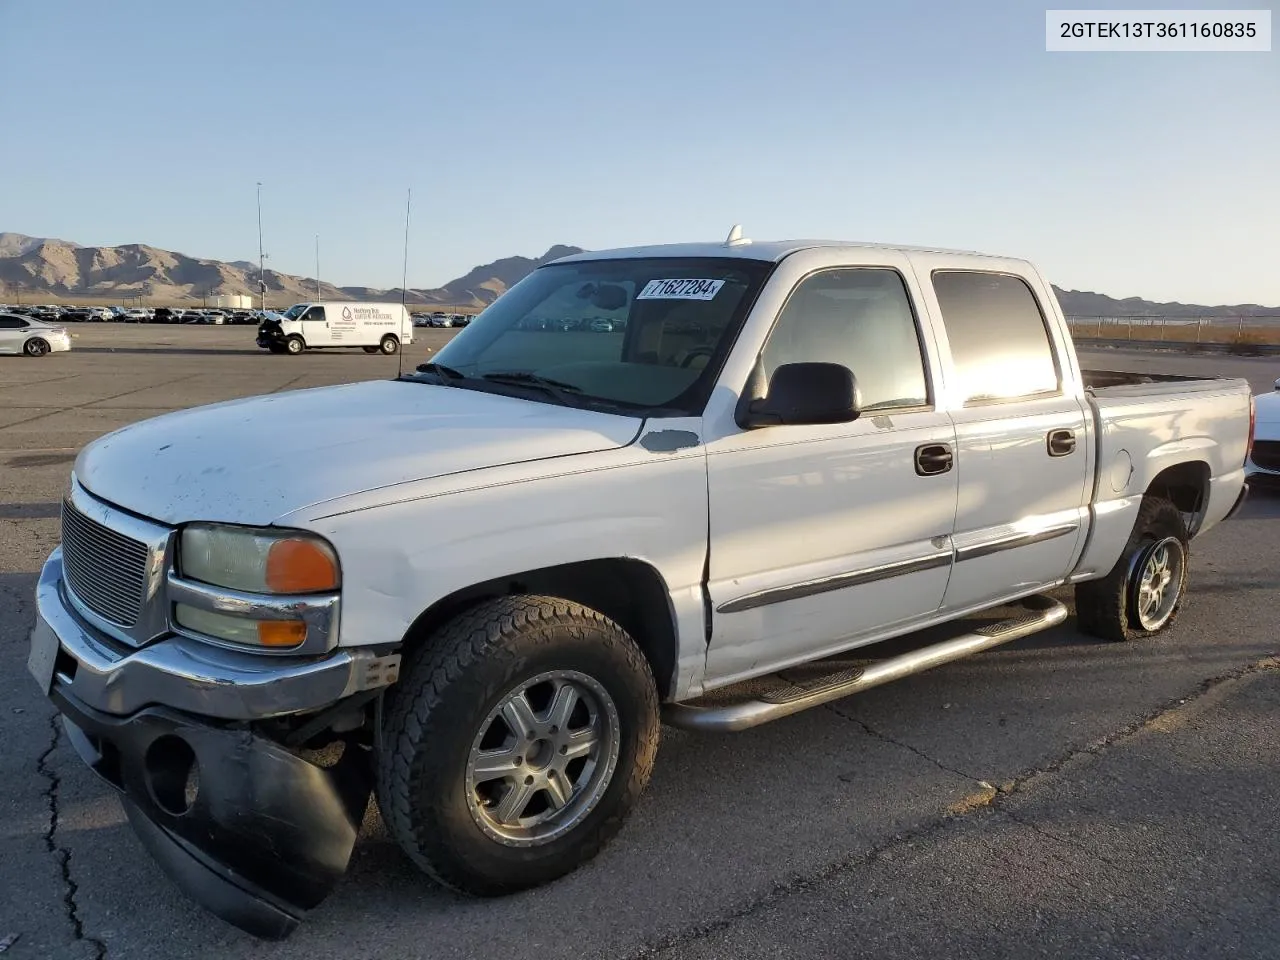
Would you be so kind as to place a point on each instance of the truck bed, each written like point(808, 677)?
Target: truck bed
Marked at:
point(1126, 383)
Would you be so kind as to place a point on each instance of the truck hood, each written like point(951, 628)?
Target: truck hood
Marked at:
point(253, 461)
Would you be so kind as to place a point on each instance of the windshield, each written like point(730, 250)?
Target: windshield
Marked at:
point(294, 312)
point(648, 334)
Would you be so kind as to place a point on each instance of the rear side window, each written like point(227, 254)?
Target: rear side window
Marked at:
point(12, 323)
point(999, 343)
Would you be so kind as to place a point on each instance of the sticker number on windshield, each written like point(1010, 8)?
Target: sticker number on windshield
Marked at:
point(680, 290)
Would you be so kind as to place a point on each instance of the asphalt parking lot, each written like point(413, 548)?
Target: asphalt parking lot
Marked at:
point(1059, 796)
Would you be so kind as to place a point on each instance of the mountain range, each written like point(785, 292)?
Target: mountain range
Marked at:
point(34, 268)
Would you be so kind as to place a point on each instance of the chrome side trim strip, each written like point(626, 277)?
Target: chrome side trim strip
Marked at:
point(838, 581)
point(1013, 541)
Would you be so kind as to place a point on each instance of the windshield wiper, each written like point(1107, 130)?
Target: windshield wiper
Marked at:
point(525, 378)
point(445, 373)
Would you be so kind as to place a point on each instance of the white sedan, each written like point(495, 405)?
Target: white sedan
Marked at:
point(1264, 458)
point(34, 338)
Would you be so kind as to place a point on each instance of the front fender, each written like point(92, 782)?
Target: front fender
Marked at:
point(633, 503)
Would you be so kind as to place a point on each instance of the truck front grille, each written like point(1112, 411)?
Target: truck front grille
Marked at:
point(1266, 454)
point(106, 570)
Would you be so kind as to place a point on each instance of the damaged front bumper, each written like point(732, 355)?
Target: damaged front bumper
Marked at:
point(247, 827)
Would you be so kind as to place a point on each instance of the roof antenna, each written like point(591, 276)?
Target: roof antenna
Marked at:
point(404, 281)
point(735, 238)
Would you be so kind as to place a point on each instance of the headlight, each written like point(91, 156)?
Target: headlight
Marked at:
point(257, 560)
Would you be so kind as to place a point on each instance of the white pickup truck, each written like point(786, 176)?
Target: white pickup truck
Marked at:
point(477, 590)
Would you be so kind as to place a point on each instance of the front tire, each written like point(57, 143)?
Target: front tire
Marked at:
point(35, 347)
point(390, 346)
point(1143, 594)
point(516, 743)
point(294, 345)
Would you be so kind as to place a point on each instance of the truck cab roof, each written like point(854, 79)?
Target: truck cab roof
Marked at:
point(770, 251)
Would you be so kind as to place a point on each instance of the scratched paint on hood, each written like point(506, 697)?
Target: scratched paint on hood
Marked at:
point(254, 460)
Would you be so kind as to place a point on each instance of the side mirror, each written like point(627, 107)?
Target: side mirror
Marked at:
point(1277, 383)
point(805, 393)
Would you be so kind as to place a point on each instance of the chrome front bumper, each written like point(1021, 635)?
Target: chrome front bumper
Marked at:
point(187, 674)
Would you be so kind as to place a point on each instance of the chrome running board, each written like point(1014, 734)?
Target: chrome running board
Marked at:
point(787, 696)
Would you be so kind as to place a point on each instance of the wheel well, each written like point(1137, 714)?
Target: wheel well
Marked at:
point(1186, 486)
point(629, 592)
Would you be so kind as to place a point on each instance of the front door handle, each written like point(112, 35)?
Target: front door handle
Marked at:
point(933, 458)
point(1061, 443)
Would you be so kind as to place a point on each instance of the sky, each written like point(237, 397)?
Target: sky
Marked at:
point(521, 125)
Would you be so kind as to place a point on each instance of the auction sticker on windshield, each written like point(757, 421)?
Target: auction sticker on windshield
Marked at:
point(680, 290)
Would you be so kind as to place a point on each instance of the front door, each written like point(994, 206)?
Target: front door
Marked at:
point(1022, 450)
point(315, 328)
point(822, 534)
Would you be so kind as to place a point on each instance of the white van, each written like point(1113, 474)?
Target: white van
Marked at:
point(377, 327)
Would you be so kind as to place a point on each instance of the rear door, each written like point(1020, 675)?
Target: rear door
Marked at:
point(13, 333)
point(1021, 429)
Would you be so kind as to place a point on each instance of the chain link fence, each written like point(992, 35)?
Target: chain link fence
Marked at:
point(1209, 330)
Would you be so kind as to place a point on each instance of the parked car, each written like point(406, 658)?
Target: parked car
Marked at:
point(77, 315)
point(1264, 456)
point(33, 338)
point(138, 315)
point(542, 546)
point(166, 315)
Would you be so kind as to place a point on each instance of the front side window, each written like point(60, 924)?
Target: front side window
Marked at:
point(999, 343)
point(316, 314)
point(859, 318)
point(646, 335)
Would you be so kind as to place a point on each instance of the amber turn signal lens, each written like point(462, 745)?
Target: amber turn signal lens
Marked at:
point(301, 566)
point(281, 633)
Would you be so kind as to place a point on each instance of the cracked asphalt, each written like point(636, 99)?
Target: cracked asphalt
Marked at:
point(1055, 797)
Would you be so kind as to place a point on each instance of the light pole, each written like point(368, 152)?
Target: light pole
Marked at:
point(317, 267)
point(262, 273)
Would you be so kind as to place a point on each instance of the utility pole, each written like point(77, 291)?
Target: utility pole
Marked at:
point(317, 267)
point(262, 273)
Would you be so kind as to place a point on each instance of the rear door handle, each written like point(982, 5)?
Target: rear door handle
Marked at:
point(933, 458)
point(1061, 443)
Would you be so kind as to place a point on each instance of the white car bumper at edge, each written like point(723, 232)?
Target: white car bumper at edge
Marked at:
point(1264, 458)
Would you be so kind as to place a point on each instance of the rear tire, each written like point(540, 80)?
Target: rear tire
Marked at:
point(1144, 592)
point(35, 347)
point(556, 791)
point(294, 345)
point(390, 346)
